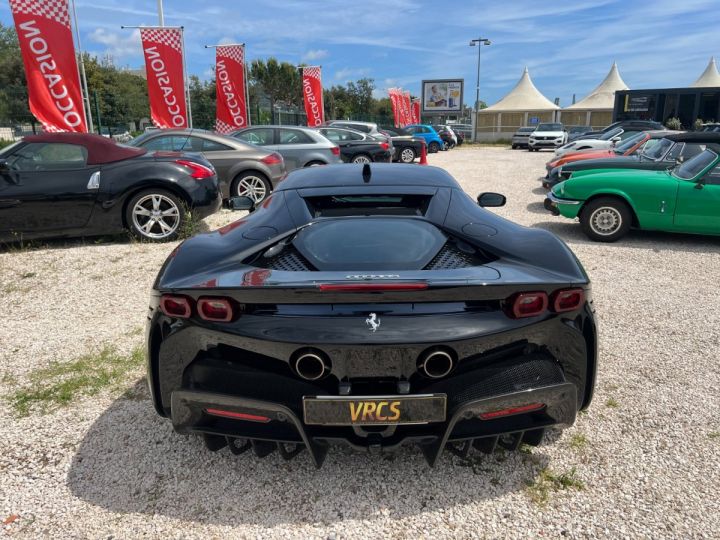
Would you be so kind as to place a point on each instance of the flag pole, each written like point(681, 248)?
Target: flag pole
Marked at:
point(187, 81)
point(83, 77)
point(247, 91)
point(161, 17)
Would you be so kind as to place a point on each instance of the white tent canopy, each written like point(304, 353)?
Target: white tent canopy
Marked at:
point(603, 97)
point(524, 97)
point(710, 77)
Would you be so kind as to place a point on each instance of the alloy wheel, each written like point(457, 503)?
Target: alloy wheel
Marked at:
point(252, 187)
point(407, 155)
point(361, 159)
point(606, 220)
point(156, 216)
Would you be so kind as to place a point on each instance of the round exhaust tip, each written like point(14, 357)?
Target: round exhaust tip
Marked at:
point(436, 364)
point(311, 366)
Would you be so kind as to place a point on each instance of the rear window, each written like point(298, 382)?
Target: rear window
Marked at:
point(365, 205)
point(369, 244)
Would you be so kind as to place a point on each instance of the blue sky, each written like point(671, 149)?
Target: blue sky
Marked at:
point(568, 46)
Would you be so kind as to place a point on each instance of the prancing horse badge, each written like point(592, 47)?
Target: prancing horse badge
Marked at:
point(373, 322)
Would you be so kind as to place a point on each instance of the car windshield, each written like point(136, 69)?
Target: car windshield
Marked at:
point(628, 143)
point(526, 130)
point(550, 127)
point(695, 165)
point(610, 134)
point(658, 150)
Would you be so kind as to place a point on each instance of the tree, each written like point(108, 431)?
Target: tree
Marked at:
point(202, 99)
point(279, 81)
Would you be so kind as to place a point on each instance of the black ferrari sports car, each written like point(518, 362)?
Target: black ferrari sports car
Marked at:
point(376, 306)
point(78, 184)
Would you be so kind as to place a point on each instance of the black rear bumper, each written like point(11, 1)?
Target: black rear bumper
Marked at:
point(461, 431)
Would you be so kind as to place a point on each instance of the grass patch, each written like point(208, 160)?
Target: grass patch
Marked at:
point(714, 435)
point(60, 383)
point(548, 482)
point(27, 275)
point(190, 225)
point(612, 403)
point(578, 441)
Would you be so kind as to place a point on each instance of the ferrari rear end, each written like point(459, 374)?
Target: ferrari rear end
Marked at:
point(373, 332)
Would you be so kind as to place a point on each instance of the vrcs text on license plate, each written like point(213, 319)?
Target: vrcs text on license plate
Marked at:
point(374, 410)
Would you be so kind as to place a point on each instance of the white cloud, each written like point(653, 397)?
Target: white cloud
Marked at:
point(314, 54)
point(345, 74)
point(118, 45)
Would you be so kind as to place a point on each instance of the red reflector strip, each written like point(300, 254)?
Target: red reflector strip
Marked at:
point(511, 411)
point(238, 415)
point(371, 287)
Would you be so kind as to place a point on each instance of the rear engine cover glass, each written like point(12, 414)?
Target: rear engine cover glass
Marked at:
point(370, 244)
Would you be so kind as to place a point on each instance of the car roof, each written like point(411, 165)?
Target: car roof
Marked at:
point(224, 139)
point(381, 174)
point(340, 128)
point(369, 124)
point(100, 149)
point(695, 136)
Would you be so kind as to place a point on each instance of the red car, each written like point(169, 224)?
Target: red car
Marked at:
point(627, 148)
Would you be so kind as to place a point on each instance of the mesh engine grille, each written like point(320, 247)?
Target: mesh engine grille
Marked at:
point(289, 260)
point(449, 258)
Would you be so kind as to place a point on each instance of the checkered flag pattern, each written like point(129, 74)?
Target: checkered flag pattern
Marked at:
point(172, 37)
point(223, 127)
point(233, 52)
point(313, 72)
point(56, 10)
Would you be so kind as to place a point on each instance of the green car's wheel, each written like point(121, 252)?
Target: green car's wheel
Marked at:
point(606, 219)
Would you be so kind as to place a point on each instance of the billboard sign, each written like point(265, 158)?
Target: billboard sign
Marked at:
point(442, 96)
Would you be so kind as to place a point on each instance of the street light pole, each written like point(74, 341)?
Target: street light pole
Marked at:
point(479, 42)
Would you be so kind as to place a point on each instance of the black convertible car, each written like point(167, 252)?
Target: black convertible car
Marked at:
point(76, 184)
point(357, 147)
point(375, 306)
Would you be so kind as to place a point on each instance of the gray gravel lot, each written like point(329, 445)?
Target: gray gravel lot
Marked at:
point(644, 458)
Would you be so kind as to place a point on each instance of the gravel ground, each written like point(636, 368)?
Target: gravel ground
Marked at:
point(642, 462)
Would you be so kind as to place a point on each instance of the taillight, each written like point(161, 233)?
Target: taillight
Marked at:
point(567, 300)
point(371, 287)
point(511, 411)
point(175, 306)
point(215, 309)
point(335, 150)
point(528, 304)
point(272, 159)
point(237, 415)
point(385, 146)
point(197, 171)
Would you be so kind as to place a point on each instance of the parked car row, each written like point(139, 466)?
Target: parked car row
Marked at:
point(65, 184)
point(562, 139)
point(655, 180)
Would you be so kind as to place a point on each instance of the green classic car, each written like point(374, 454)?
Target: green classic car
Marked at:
point(608, 202)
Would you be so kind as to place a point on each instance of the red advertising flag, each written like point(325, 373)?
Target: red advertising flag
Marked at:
point(230, 88)
point(46, 44)
point(312, 91)
point(392, 92)
point(408, 108)
point(416, 111)
point(164, 67)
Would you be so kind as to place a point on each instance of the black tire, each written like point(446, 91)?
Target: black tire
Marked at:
point(163, 226)
point(314, 163)
point(407, 155)
point(514, 146)
point(606, 219)
point(251, 184)
point(433, 148)
point(361, 158)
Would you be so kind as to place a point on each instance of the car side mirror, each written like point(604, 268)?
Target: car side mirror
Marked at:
point(490, 199)
point(4, 167)
point(241, 203)
point(679, 160)
point(616, 139)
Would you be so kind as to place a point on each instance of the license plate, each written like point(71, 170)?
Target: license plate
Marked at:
point(374, 410)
